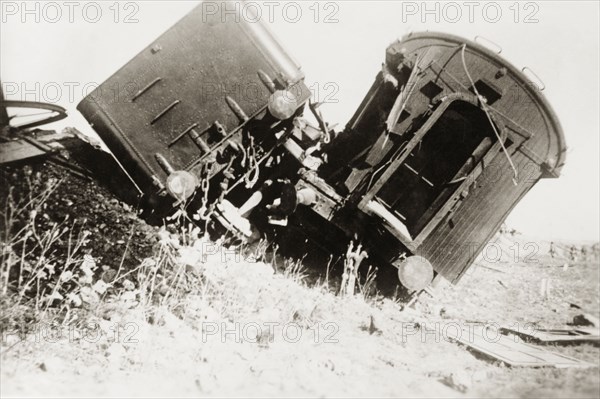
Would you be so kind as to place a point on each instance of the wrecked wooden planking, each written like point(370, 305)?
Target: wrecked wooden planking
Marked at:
point(492, 344)
point(34, 144)
point(18, 150)
point(582, 335)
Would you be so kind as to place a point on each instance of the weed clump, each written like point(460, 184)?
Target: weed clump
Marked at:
point(65, 270)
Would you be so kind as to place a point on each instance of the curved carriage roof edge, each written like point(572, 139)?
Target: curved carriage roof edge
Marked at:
point(520, 77)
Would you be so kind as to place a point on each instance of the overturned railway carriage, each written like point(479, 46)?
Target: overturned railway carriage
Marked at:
point(195, 102)
point(210, 117)
point(447, 141)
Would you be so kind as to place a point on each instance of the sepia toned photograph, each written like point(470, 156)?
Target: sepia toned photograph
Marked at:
point(315, 199)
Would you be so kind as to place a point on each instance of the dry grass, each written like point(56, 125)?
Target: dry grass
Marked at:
point(205, 318)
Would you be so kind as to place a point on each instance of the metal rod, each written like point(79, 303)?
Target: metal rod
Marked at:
point(164, 164)
point(186, 131)
point(198, 140)
point(237, 110)
point(164, 111)
point(199, 159)
point(267, 81)
point(145, 89)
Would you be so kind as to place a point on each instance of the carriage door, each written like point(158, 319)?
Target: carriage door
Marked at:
point(438, 162)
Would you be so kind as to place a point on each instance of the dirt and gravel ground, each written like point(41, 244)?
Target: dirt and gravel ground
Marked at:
point(251, 330)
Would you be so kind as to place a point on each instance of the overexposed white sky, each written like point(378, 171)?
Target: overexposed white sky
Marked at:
point(59, 51)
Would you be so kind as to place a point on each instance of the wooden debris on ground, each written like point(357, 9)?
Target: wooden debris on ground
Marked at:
point(586, 320)
point(492, 344)
point(581, 335)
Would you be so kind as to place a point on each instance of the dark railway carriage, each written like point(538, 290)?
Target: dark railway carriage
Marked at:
point(447, 141)
point(188, 100)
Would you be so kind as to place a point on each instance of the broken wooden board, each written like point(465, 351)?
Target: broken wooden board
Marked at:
point(492, 344)
point(34, 144)
point(579, 335)
point(18, 150)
